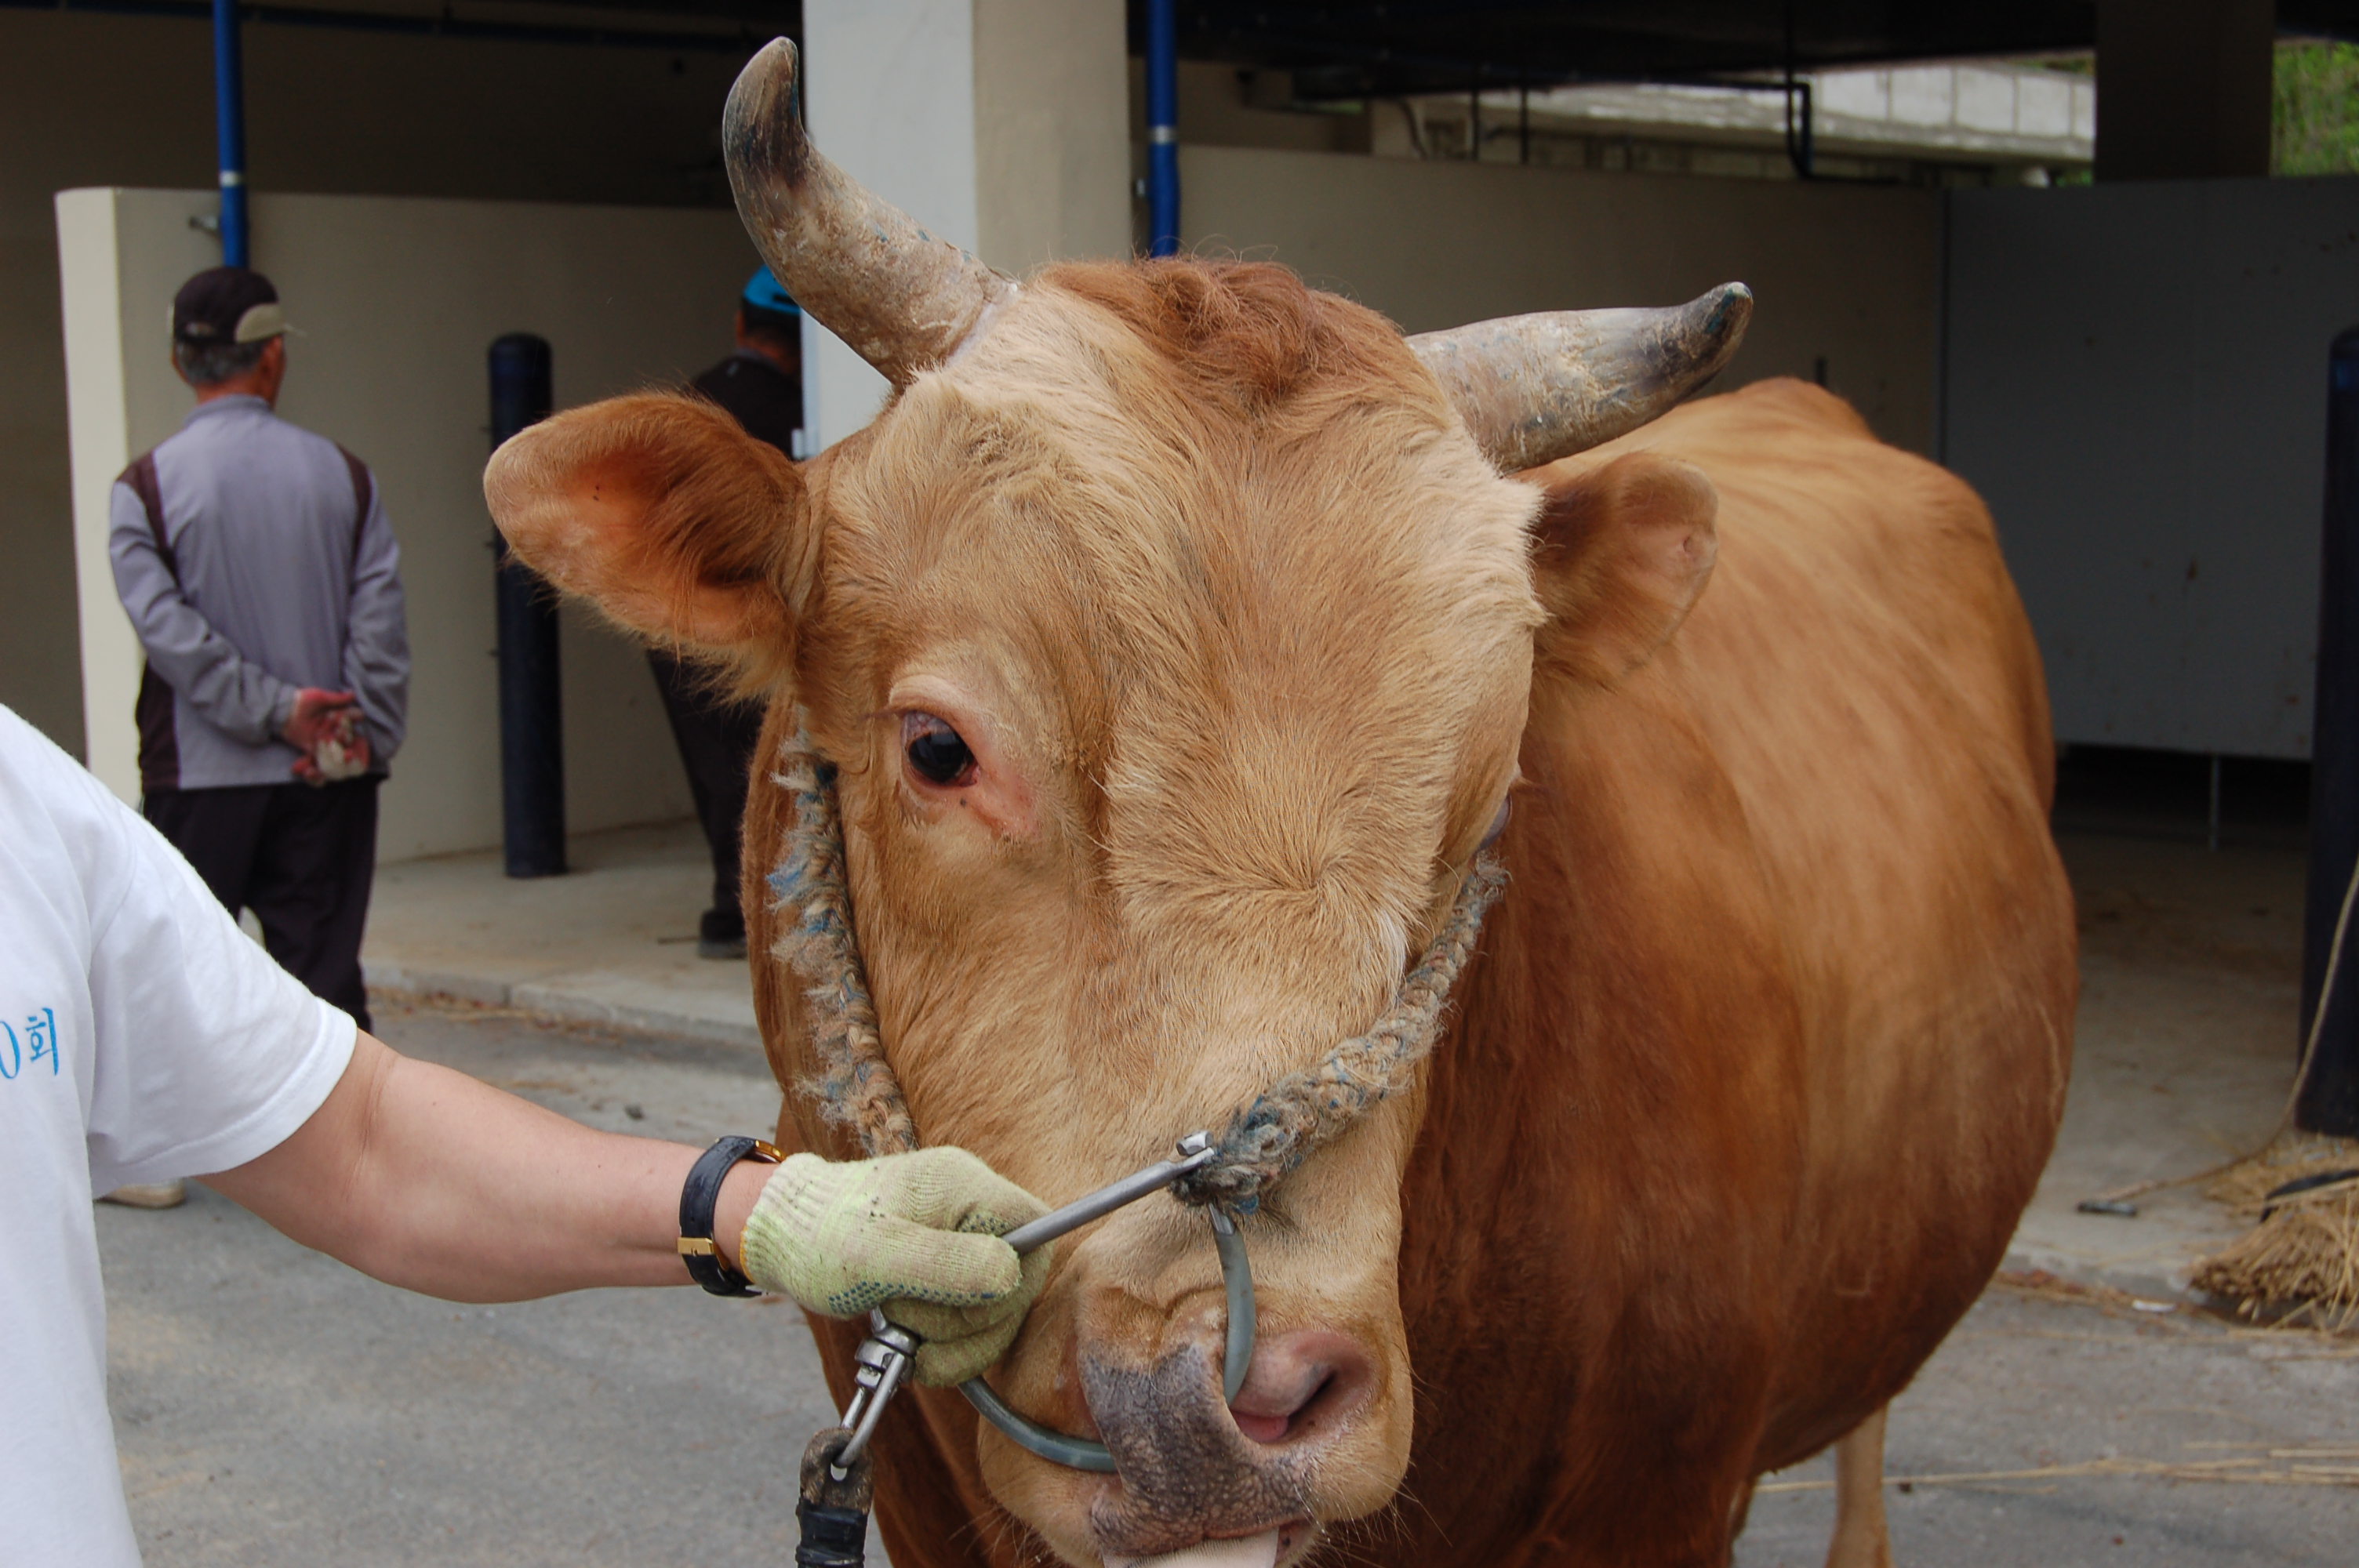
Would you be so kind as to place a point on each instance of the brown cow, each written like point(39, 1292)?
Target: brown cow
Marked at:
point(1179, 643)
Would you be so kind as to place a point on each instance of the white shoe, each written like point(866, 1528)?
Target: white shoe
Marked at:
point(149, 1195)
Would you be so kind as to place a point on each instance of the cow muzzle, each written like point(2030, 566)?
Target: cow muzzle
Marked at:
point(1220, 1478)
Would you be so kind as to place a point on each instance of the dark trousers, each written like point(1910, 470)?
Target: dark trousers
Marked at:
point(716, 738)
point(300, 857)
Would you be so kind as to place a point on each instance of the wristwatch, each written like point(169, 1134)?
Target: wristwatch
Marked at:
point(698, 1195)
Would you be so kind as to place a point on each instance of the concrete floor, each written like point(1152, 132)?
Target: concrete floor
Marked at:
point(613, 941)
point(2030, 1383)
point(2184, 1048)
point(276, 1410)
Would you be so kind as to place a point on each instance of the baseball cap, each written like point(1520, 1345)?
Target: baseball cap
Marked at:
point(763, 293)
point(226, 305)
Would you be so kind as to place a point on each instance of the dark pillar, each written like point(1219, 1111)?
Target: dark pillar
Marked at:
point(2330, 1096)
point(532, 737)
point(2183, 88)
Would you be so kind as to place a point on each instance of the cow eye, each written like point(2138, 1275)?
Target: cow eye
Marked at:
point(1498, 825)
point(935, 751)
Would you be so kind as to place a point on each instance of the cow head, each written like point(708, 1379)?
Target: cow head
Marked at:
point(1172, 630)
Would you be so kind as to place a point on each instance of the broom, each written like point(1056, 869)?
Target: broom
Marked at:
point(2299, 1263)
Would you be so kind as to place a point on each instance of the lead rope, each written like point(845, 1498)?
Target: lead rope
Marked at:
point(855, 1087)
point(832, 1510)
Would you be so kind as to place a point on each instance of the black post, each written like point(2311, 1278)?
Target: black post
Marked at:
point(532, 736)
point(2330, 1100)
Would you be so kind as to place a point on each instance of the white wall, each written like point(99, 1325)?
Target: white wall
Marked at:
point(103, 100)
point(998, 124)
point(1053, 144)
point(398, 301)
point(1844, 274)
point(2137, 386)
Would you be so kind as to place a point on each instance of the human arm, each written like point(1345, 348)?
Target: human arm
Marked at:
point(235, 693)
point(425, 1178)
point(431, 1180)
point(376, 636)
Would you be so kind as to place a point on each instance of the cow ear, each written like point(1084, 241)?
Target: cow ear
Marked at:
point(664, 512)
point(1620, 551)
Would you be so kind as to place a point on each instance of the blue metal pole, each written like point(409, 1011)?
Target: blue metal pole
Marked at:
point(1163, 126)
point(229, 131)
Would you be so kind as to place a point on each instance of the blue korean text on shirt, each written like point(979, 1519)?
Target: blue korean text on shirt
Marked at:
point(39, 1042)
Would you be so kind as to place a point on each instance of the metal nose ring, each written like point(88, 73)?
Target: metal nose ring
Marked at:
point(1081, 1453)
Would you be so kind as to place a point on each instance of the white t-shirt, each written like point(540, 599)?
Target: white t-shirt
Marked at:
point(142, 1037)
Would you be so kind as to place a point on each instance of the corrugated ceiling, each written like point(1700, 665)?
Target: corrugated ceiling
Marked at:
point(1407, 46)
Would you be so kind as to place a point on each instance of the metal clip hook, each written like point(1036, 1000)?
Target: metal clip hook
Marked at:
point(880, 1367)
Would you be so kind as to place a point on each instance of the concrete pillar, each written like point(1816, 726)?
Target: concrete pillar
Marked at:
point(2183, 88)
point(121, 257)
point(1001, 125)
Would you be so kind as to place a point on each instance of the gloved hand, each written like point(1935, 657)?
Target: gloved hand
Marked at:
point(340, 750)
point(314, 715)
point(915, 1234)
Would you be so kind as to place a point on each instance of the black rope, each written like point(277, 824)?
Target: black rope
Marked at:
point(835, 1513)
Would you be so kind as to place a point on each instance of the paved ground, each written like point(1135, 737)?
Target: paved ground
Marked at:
point(2183, 1048)
point(2031, 1381)
point(613, 941)
point(275, 1408)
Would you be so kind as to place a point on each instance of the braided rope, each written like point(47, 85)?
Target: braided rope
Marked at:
point(855, 1087)
point(1303, 1111)
point(1286, 1123)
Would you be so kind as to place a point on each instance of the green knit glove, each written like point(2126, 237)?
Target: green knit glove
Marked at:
point(915, 1234)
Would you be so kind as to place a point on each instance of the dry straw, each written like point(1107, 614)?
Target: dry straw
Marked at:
point(2299, 1265)
point(2293, 1467)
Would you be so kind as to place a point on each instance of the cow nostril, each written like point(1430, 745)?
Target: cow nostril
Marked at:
point(1274, 1426)
point(1299, 1383)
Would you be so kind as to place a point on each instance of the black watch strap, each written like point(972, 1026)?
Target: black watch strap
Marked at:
point(698, 1195)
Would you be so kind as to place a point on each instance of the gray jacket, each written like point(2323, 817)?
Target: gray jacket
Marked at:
point(275, 569)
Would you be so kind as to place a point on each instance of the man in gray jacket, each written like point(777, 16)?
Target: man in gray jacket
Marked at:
point(262, 578)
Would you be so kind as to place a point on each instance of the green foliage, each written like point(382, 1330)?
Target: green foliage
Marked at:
point(2314, 112)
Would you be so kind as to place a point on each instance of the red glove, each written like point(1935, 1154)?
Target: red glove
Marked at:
point(326, 726)
point(315, 715)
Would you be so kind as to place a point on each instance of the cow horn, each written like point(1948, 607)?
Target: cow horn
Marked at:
point(904, 300)
point(1535, 388)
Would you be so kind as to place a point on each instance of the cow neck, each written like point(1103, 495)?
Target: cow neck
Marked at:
point(855, 1087)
